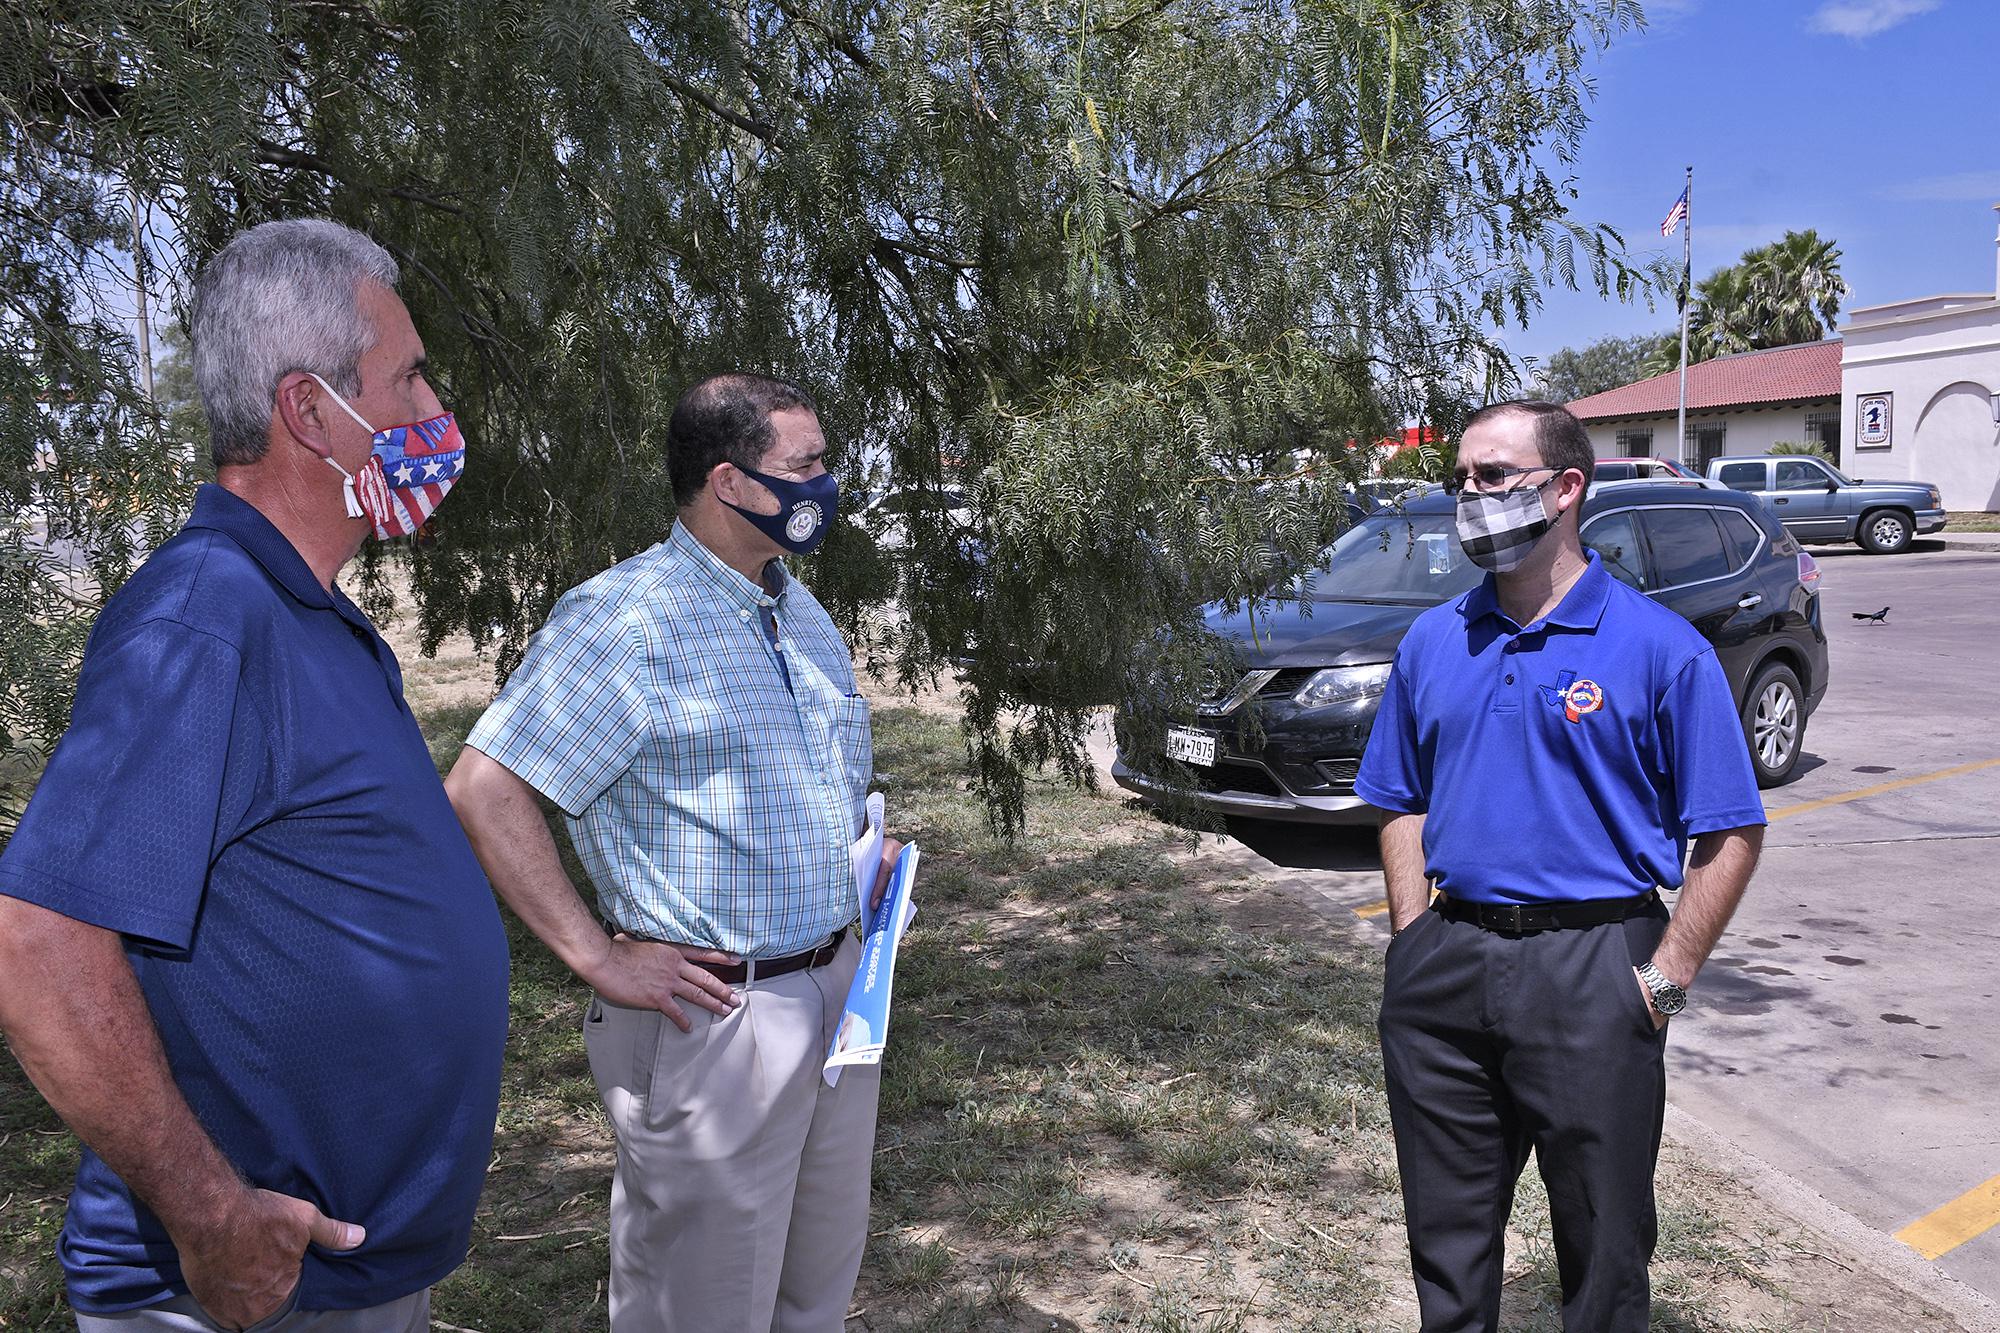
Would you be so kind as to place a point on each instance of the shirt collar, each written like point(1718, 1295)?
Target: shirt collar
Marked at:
point(741, 592)
point(243, 523)
point(1581, 607)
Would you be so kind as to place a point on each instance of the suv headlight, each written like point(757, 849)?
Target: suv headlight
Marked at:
point(1937, 500)
point(1336, 685)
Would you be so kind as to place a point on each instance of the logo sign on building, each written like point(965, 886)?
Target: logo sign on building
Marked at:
point(1872, 420)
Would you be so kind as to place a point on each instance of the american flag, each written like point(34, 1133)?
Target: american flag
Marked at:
point(1675, 215)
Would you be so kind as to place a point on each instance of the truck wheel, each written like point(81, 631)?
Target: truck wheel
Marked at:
point(1885, 531)
point(1774, 723)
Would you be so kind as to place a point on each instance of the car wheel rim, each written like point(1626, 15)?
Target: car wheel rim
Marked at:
point(1888, 531)
point(1776, 725)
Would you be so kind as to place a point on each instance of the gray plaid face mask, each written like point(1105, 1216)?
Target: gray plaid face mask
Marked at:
point(1499, 531)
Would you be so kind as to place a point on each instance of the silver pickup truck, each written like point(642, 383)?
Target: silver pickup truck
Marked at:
point(1816, 503)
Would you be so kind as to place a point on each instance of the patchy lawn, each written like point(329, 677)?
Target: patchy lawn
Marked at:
point(1118, 1096)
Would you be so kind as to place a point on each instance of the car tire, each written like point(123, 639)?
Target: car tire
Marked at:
point(1885, 531)
point(1774, 723)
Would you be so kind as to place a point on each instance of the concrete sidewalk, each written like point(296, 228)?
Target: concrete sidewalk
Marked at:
point(1963, 541)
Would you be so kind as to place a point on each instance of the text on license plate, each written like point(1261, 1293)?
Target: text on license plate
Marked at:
point(1190, 746)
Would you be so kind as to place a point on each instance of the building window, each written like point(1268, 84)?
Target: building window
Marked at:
point(1635, 441)
point(1823, 429)
point(1705, 441)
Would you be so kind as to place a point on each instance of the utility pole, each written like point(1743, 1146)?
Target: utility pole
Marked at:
point(139, 284)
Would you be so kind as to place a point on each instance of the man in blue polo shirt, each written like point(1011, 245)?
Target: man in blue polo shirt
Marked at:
point(1548, 745)
point(245, 949)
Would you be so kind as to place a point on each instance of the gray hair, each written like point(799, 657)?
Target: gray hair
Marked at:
point(280, 297)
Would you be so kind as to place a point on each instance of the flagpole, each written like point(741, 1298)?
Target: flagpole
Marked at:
point(1687, 280)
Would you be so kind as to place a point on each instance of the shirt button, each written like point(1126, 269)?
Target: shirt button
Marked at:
point(1510, 680)
point(743, 616)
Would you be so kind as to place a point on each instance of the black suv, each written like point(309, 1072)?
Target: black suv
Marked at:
point(1316, 664)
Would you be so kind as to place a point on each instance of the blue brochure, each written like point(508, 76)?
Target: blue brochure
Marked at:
point(864, 1027)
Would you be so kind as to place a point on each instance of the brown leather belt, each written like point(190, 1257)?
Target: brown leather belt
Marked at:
point(1527, 918)
point(752, 969)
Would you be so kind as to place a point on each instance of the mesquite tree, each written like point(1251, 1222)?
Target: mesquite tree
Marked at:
point(1133, 274)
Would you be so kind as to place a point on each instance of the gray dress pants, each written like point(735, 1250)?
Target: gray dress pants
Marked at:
point(1495, 1044)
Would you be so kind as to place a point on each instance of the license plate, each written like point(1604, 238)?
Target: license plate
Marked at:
point(1191, 746)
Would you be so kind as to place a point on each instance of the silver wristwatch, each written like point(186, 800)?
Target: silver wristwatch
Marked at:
point(1668, 998)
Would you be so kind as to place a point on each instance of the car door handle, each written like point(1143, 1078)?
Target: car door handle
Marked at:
point(1781, 500)
point(1754, 599)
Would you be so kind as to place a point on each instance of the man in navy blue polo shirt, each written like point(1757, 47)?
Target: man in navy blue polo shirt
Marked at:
point(245, 949)
point(1548, 745)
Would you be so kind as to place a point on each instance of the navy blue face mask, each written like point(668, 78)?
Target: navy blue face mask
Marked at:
point(806, 510)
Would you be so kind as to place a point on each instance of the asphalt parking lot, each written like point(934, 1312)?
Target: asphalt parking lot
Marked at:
point(1844, 1032)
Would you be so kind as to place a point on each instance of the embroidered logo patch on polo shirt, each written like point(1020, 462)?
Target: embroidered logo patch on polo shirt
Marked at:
point(1575, 697)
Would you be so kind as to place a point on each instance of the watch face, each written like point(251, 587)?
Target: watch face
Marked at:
point(1668, 998)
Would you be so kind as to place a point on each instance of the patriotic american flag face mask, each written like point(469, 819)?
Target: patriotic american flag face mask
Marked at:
point(407, 476)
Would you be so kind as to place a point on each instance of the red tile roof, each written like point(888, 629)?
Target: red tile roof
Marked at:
point(1778, 375)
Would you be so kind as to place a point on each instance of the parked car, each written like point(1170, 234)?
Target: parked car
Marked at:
point(1376, 492)
point(1641, 469)
point(1817, 503)
point(1317, 669)
point(886, 517)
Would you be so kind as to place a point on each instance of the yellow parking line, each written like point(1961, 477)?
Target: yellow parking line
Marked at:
point(1807, 807)
point(1372, 910)
point(1943, 1231)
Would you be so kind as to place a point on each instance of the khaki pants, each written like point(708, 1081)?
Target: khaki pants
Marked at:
point(740, 1201)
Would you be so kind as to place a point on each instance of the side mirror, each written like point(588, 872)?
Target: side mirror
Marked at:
point(1832, 486)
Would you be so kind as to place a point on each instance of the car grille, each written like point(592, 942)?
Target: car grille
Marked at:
point(1286, 683)
point(1283, 684)
point(1253, 779)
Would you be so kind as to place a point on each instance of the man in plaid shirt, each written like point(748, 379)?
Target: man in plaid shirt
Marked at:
point(693, 712)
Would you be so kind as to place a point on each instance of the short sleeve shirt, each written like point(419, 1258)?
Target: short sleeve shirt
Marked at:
point(713, 778)
point(244, 795)
point(1568, 759)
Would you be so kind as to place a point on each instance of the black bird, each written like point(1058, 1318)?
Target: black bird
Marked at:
point(1879, 617)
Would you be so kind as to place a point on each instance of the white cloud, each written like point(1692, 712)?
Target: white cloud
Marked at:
point(1864, 18)
point(1960, 187)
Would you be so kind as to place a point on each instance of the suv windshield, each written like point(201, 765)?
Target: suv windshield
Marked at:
point(1405, 559)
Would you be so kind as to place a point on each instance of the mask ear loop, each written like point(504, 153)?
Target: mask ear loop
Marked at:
point(347, 495)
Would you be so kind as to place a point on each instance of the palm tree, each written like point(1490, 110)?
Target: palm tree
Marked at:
point(1778, 294)
point(1728, 314)
point(1798, 288)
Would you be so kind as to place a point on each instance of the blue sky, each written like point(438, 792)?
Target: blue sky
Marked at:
point(1875, 121)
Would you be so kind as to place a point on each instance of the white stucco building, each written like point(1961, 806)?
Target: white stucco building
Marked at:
point(1921, 394)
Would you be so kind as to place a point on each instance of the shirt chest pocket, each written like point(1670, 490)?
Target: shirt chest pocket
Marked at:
point(854, 738)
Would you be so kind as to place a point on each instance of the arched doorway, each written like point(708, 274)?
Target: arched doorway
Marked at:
point(1958, 447)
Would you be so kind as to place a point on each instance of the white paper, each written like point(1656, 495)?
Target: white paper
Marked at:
point(867, 855)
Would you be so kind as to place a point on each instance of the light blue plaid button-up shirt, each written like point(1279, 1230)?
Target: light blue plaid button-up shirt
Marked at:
point(713, 780)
